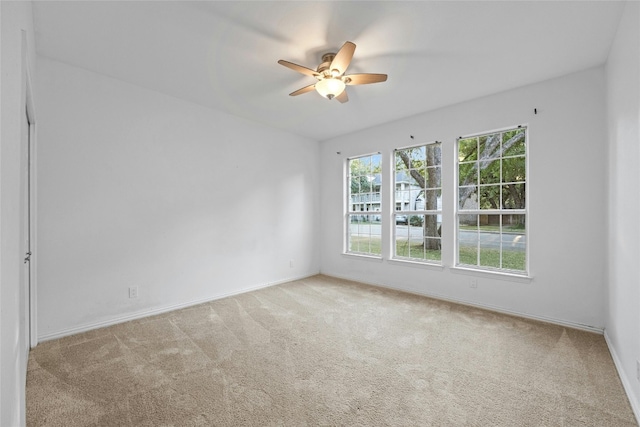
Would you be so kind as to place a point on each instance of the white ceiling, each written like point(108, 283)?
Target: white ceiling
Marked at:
point(224, 54)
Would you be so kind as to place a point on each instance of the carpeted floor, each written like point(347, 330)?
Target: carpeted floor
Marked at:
point(323, 351)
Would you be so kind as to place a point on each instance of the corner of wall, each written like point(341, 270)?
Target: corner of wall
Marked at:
point(622, 319)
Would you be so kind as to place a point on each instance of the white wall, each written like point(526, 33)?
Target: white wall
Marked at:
point(137, 188)
point(567, 181)
point(16, 23)
point(623, 102)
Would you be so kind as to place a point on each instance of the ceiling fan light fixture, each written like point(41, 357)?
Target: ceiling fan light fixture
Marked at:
point(332, 80)
point(330, 87)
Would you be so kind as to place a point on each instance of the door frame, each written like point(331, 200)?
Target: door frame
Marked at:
point(28, 105)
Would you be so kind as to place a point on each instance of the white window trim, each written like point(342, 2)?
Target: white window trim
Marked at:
point(408, 260)
point(347, 208)
point(489, 271)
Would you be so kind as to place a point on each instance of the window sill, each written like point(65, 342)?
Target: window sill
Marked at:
point(363, 256)
point(417, 264)
point(510, 277)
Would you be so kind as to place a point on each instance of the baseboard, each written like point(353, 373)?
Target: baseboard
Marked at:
point(544, 319)
point(633, 401)
point(160, 310)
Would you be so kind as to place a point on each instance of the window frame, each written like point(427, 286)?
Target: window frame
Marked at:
point(502, 211)
point(349, 212)
point(416, 212)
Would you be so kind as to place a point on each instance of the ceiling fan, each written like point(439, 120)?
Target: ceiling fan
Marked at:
point(330, 74)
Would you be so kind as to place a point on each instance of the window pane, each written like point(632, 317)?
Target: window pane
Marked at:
point(364, 234)
point(489, 172)
point(365, 163)
point(376, 163)
point(403, 235)
point(402, 178)
point(355, 185)
point(514, 242)
point(434, 155)
point(489, 146)
point(490, 197)
point(416, 221)
point(468, 149)
point(431, 225)
point(431, 201)
point(467, 173)
point(468, 239)
point(514, 224)
point(417, 155)
point(375, 197)
point(416, 179)
point(513, 169)
point(468, 197)
point(403, 247)
point(514, 143)
point(375, 245)
point(413, 241)
point(433, 177)
point(489, 256)
point(433, 249)
point(354, 242)
point(513, 196)
point(490, 240)
point(403, 198)
point(401, 219)
point(400, 164)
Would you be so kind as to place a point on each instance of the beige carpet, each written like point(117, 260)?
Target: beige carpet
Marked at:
point(323, 351)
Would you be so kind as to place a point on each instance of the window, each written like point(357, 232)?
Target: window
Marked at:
point(418, 203)
point(363, 210)
point(492, 208)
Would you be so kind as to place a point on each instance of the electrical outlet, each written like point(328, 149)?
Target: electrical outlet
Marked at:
point(291, 264)
point(473, 283)
point(133, 292)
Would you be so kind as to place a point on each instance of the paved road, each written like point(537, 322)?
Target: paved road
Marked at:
point(515, 242)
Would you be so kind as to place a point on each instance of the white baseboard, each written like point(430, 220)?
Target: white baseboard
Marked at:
point(544, 319)
point(160, 310)
point(633, 399)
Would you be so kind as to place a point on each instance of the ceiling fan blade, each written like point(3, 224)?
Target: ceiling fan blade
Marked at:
point(343, 58)
point(343, 97)
point(299, 68)
point(303, 90)
point(364, 79)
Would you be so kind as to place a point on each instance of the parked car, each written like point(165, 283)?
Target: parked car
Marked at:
point(402, 219)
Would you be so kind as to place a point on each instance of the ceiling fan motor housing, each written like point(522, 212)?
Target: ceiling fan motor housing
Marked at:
point(323, 68)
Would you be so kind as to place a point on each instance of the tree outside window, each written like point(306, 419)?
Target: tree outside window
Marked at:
point(492, 209)
point(418, 203)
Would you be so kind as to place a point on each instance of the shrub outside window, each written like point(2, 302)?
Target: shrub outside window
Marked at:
point(492, 208)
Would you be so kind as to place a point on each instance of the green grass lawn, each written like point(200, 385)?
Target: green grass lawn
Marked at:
point(368, 245)
point(416, 251)
point(404, 249)
point(511, 260)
